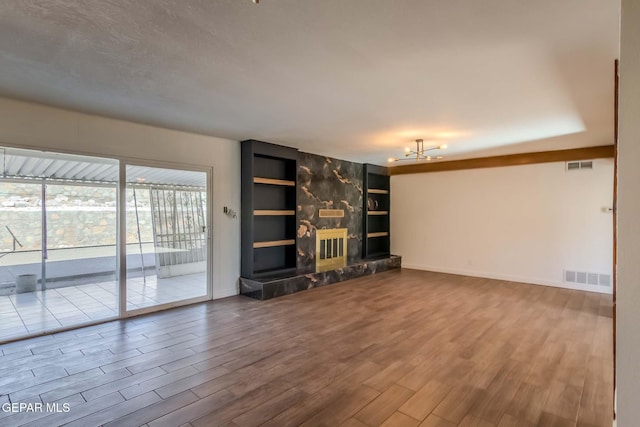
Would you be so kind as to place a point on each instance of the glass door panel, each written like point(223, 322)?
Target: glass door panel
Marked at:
point(58, 231)
point(166, 236)
point(22, 311)
point(81, 250)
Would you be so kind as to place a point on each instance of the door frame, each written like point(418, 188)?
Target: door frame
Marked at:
point(121, 232)
point(122, 236)
point(616, 96)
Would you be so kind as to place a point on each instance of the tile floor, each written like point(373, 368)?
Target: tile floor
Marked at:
point(398, 348)
point(34, 312)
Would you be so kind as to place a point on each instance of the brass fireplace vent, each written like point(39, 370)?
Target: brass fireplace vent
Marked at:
point(331, 249)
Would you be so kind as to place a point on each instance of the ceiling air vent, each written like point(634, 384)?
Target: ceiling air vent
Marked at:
point(572, 166)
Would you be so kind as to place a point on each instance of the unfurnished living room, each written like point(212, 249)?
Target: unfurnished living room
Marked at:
point(320, 213)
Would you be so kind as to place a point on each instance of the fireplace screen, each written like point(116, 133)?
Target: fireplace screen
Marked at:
point(331, 249)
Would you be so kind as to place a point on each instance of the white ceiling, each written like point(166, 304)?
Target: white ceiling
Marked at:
point(354, 79)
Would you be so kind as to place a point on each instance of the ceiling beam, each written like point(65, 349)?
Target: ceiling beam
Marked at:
point(585, 153)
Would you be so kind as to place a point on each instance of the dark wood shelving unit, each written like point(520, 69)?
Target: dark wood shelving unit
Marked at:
point(376, 208)
point(269, 202)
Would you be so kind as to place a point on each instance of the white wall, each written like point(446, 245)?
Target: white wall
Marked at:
point(628, 289)
point(32, 125)
point(520, 223)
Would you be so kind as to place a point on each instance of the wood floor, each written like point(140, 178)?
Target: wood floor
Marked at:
point(401, 348)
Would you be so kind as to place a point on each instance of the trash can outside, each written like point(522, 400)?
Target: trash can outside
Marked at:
point(26, 283)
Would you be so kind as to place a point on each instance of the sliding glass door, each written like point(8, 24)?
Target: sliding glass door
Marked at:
point(58, 218)
point(167, 236)
point(85, 239)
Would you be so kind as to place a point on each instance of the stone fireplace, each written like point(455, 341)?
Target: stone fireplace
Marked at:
point(307, 221)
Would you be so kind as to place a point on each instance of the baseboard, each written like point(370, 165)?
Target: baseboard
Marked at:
point(224, 293)
point(507, 277)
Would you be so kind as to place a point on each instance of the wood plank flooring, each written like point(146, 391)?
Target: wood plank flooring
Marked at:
point(401, 348)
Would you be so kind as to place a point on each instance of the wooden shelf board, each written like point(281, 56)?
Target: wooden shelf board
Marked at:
point(271, 181)
point(379, 234)
point(377, 212)
point(377, 191)
point(272, 243)
point(266, 212)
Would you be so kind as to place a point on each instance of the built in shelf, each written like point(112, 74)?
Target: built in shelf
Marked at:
point(269, 199)
point(266, 212)
point(270, 181)
point(380, 234)
point(273, 243)
point(375, 222)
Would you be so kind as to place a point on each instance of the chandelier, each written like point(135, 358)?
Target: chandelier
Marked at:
point(420, 153)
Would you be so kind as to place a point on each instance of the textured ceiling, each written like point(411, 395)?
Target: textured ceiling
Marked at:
point(356, 79)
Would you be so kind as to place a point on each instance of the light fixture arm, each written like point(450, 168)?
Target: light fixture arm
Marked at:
point(420, 152)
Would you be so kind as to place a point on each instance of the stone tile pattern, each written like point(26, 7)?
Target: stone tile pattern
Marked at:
point(327, 183)
point(267, 288)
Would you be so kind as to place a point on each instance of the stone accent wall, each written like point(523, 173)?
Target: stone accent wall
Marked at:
point(76, 216)
point(327, 183)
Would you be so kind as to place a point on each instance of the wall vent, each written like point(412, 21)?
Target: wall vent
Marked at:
point(586, 165)
point(589, 279)
point(572, 166)
point(570, 276)
point(581, 277)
